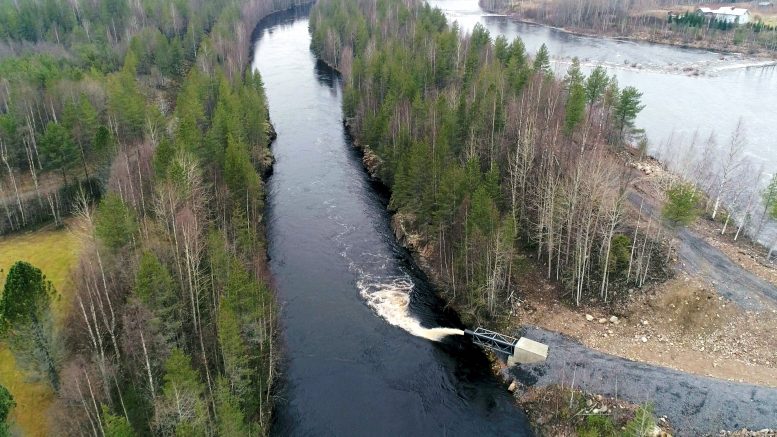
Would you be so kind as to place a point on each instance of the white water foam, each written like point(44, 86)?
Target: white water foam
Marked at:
point(390, 298)
point(386, 293)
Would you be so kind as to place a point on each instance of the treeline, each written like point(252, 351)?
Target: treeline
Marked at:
point(487, 153)
point(599, 15)
point(697, 26)
point(172, 326)
point(69, 97)
point(638, 18)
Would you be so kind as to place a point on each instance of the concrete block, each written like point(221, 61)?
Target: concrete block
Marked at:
point(528, 352)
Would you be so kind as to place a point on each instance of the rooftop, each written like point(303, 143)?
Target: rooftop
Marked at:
point(724, 10)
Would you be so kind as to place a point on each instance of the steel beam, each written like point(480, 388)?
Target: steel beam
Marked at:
point(493, 340)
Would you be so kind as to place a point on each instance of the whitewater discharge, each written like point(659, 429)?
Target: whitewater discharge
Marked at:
point(390, 298)
point(388, 295)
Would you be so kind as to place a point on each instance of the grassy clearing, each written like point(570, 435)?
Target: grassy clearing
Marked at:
point(770, 20)
point(54, 252)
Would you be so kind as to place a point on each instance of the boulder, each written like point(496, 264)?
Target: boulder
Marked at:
point(513, 386)
point(371, 161)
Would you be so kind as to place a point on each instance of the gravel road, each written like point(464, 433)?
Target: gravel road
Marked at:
point(698, 257)
point(694, 405)
point(729, 278)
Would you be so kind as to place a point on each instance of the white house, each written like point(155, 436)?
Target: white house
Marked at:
point(727, 14)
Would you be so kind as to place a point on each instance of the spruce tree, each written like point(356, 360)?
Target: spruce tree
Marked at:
point(115, 223)
point(575, 108)
point(154, 286)
point(596, 85)
point(181, 409)
point(680, 207)
point(115, 426)
point(627, 106)
point(231, 420)
point(542, 61)
point(769, 196)
point(57, 150)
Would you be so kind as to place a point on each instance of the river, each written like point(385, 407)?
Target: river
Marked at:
point(677, 104)
point(357, 316)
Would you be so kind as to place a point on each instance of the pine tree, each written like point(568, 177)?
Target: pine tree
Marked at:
point(6, 405)
point(26, 320)
point(680, 207)
point(643, 424)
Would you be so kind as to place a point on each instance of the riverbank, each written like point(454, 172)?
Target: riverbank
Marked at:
point(554, 407)
point(354, 359)
point(770, 57)
point(169, 286)
point(693, 404)
point(495, 277)
point(683, 324)
point(653, 36)
point(684, 327)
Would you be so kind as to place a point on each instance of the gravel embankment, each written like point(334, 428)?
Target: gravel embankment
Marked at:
point(694, 405)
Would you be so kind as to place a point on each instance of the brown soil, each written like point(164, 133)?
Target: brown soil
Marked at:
point(682, 324)
point(688, 328)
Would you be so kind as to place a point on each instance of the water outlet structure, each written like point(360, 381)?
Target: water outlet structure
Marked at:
point(518, 350)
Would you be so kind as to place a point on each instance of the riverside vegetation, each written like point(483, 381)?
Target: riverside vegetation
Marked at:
point(488, 156)
point(663, 21)
point(141, 119)
point(499, 171)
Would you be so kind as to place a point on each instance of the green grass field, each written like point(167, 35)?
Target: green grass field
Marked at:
point(55, 252)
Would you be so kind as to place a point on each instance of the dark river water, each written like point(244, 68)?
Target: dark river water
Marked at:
point(678, 104)
point(357, 316)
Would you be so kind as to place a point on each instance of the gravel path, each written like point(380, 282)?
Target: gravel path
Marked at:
point(695, 405)
point(698, 257)
point(729, 278)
